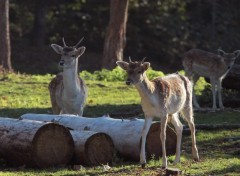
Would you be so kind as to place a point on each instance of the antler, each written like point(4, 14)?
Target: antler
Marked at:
point(64, 44)
point(143, 60)
point(78, 43)
point(130, 60)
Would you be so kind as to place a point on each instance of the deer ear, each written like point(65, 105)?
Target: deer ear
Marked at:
point(237, 53)
point(122, 64)
point(220, 52)
point(80, 51)
point(57, 48)
point(145, 65)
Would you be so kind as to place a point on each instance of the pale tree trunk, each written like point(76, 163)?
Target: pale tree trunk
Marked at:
point(115, 38)
point(5, 47)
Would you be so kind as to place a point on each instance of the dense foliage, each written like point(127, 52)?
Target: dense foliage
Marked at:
point(162, 30)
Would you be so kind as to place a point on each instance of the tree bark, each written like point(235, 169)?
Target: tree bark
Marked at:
point(126, 134)
point(5, 47)
point(92, 148)
point(115, 38)
point(35, 144)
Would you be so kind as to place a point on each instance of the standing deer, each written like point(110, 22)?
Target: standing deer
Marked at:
point(67, 90)
point(164, 98)
point(198, 63)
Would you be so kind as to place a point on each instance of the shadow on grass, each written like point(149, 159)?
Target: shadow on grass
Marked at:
point(222, 146)
point(235, 168)
point(17, 112)
point(115, 111)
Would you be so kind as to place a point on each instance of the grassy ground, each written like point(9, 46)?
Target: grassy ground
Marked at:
point(21, 94)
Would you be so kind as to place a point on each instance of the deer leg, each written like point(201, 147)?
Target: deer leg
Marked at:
point(187, 113)
point(147, 124)
point(219, 86)
point(213, 83)
point(195, 102)
point(194, 146)
point(179, 128)
point(163, 140)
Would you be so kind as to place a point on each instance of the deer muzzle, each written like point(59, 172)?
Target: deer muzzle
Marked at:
point(61, 62)
point(128, 81)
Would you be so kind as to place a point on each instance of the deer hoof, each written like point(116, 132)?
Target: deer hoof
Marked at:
point(143, 165)
point(164, 167)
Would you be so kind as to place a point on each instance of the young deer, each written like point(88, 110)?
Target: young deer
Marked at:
point(198, 63)
point(164, 98)
point(67, 90)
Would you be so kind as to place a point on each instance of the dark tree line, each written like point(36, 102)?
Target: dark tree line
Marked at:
point(161, 30)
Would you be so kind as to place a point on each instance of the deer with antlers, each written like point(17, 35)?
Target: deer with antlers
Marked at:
point(164, 98)
point(68, 91)
point(198, 63)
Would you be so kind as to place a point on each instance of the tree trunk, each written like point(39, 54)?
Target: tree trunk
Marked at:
point(126, 134)
point(232, 80)
point(5, 47)
point(35, 144)
point(92, 148)
point(39, 26)
point(115, 38)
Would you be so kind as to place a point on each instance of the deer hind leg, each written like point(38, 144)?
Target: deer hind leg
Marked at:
point(219, 86)
point(164, 121)
point(187, 114)
point(179, 128)
point(213, 83)
point(146, 127)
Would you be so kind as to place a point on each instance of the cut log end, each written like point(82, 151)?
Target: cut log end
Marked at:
point(52, 146)
point(99, 149)
point(153, 142)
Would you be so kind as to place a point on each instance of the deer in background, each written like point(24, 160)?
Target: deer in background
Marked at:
point(198, 63)
point(68, 91)
point(164, 98)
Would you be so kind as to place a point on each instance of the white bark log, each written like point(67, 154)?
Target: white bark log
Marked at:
point(35, 144)
point(92, 148)
point(126, 134)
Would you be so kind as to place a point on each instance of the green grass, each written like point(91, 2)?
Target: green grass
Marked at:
point(21, 94)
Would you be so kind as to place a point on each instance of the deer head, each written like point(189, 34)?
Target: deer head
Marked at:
point(229, 58)
point(136, 71)
point(69, 54)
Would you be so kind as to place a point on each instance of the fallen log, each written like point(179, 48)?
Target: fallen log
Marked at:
point(92, 148)
point(125, 133)
point(35, 144)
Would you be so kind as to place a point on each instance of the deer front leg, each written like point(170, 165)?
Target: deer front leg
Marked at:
point(163, 140)
point(219, 86)
point(213, 83)
point(147, 124)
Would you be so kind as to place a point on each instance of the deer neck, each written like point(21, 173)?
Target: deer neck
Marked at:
point(145, 87)
point(71, 80)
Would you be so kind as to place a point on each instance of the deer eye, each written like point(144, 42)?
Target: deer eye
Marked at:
point(72, 55)
point(139, 72)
